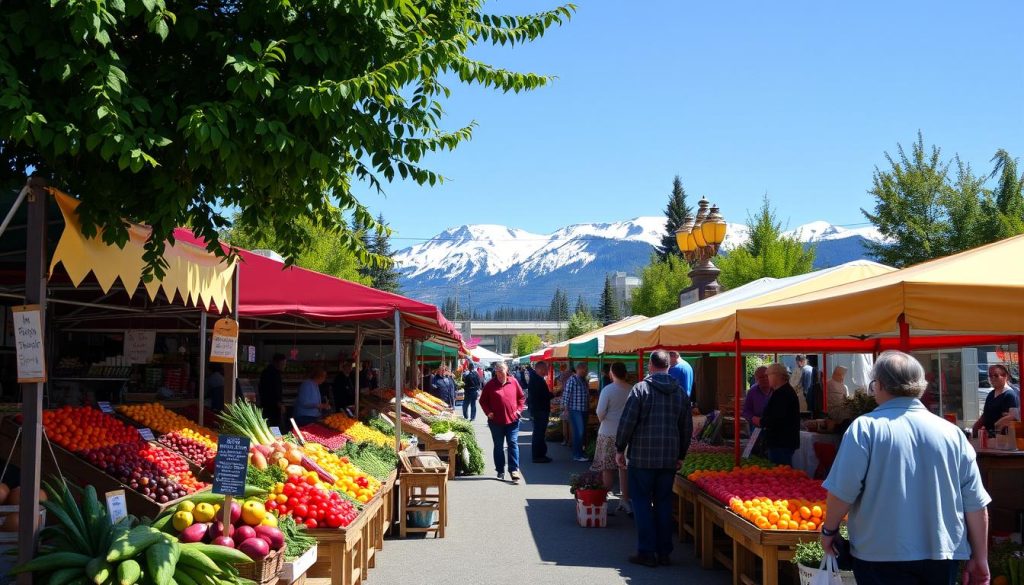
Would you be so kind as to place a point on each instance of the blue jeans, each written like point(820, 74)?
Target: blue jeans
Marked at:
point(905, 572)
point(577, 422)
point(781, 456)
point(468, 404)
point(650, 492)
point(539, 447)
point(508, 434)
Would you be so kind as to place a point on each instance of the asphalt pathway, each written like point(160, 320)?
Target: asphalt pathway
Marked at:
point(499, 533)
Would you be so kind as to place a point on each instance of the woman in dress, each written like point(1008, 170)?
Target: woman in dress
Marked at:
point(609, 409)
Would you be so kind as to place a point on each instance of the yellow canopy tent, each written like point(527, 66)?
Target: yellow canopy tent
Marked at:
point(713, 320)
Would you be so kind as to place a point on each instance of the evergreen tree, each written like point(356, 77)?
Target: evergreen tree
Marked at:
point(677, 212)
point(766, 253)
point(582, 306)
point(661, 281)
point(559, 310)
point(610, 311)
point(383, 275)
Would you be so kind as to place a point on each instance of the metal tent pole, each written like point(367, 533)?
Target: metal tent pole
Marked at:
point(230, 384)
point(398, 381)
point(355, 357)
point(737, 389)
point(32, 393)
point(202, 365)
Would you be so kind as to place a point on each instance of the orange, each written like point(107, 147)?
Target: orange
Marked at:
point(816, 511)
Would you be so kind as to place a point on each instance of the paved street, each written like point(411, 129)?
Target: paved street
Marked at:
point(499, 533)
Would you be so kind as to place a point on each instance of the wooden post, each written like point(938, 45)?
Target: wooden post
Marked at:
point(32, 394)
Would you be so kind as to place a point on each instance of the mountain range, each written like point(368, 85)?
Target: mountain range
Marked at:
point(491, 266)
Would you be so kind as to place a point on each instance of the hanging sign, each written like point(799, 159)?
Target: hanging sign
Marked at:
point(225, 341)
point(28, 343)
point(230, 465)
point(139, 345)
point(117, 505)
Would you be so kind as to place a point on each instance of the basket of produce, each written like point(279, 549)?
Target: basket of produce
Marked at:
point(264, 570)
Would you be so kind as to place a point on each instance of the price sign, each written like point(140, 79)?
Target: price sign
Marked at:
point(146, 434)
point(139, 345)
point(28, 343)
point(224, 347)
point(252, 354)
point(230, 465)
point(275, 431)
point(117, 506)
point(105, 407)
point(750, 444)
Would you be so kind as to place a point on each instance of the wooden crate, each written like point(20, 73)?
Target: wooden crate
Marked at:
point(715, 543)
point(341, 553)
point(373, 538)
point(688, 518)
point(750, 543)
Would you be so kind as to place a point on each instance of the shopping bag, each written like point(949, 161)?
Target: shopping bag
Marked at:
point(828, 572)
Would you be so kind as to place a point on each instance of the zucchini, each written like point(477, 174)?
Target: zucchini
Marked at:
point(128, 572)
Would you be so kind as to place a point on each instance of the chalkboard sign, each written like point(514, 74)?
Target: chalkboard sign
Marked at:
point(230, 465)
point(28, 343)
point(105, 407)
point(146, 434)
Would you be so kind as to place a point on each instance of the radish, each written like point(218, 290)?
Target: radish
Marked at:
point(256, 548)
point(224, 541)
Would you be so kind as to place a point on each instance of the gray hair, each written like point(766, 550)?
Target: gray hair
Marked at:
point(777, 368)
point(899, 374)
point(500, 366)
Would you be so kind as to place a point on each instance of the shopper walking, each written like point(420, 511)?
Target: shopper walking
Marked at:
point(909, 481)
point(652, 440)
point(610, 405)
point(538, 400)
point(470, 391)
point(575, 399)
point(502, 399)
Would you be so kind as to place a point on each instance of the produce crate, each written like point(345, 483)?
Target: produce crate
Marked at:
point(264, 571)
point(81, 472)
point(291, 571)
point(341, 553)
point(592, 516)
point(11, 537)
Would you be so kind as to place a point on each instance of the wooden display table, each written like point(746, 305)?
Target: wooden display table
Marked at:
point(750, 543)
point(371, 528)
point(341, 553)
point(1002, 473)
point(713, 515)
point(688, 520)
point(423, 487)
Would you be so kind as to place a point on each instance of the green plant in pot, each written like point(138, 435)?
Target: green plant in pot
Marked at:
point(588, 487)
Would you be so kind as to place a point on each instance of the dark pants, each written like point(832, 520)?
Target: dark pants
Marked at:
point(650, 491)
point(781, 455)
point(539, 447)
point(305, 420)
point(507, 434)
point(905, 572)
point(468, 405)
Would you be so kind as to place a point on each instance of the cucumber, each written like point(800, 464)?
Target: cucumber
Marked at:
point(52, 562)
point(133, 542)
point(65, 576)
point(98, 570)
point(197, 559)
point(182, 577)
point(160, 561)
point(222, 554)
point(128, 572)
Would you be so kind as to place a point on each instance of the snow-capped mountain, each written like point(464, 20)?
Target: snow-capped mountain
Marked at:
point(491, 266)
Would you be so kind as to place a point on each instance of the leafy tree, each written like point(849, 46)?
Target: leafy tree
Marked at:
point(610, 310)
point(325, 254)
point(1009, 196)
point(579, 324)
point(275, 108)
point(677, 212)
point(582, 306)
point(766, 253)
point(661, 281)
point(383, 275)
point(525, 344)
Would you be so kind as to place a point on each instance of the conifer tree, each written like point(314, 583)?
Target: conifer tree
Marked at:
point(610, 311)
point(677, 212)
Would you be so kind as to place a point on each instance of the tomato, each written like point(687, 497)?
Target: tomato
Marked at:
point(334, 521)
point(311, 523)
point(301, 510)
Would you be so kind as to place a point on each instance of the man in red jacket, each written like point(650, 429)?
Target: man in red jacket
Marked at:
point(502, 399)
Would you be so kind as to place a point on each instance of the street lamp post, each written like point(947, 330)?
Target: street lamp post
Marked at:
point(699, 240)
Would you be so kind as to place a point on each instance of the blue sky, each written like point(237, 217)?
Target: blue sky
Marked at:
point(796, 99)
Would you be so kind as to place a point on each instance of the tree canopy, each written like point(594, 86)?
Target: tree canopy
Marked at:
point(676, 214)
point(525, 344)
point(581, 323)
point(171, 113)
point(767, 253)
point(927, 207)
point(661, 281)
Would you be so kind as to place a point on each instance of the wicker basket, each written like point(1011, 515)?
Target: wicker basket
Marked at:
point(264, 571)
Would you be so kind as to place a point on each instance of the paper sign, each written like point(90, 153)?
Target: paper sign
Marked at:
point(105, 407)
point(117, 506)
point(139, 345)
point(750, 444)
point(252, 354)
point(225, 341)
point(28, 343)
point(147, 435)
point(275, 431)
point(231, 463)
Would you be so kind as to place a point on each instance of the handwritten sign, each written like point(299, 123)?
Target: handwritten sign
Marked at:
point(139, 345)
point(224, 347)
point(230, 465)
point(146, 434)
point(275, 431)
point(750, 444)
point(105, 407)
point(117, 505)
point(28, 343)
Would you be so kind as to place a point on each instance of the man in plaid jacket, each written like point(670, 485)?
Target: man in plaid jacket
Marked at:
point(575, 399)
point(654, 435)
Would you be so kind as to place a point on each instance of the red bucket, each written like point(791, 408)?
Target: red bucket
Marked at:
point(592, 497)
